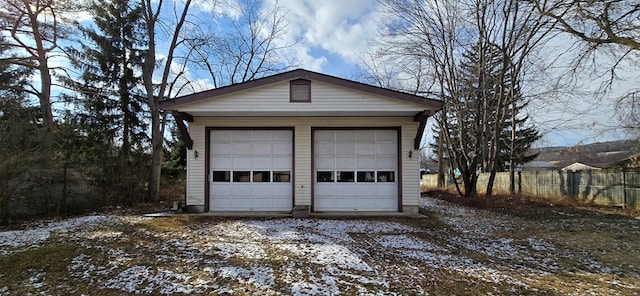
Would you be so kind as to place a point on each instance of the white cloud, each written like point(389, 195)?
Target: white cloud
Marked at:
point(339, 27)
point(229, 8)
point(193, 82)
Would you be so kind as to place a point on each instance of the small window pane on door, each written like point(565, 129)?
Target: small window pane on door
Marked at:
point(221, 176)
point(386, 176)
point(261, 176)
point(241, 176)
point(282, 176)
point(346, 176)
point(367, 176)
point(325, 176)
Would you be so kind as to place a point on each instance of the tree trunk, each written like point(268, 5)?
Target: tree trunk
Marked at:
point(156, 155)
point(470, 186)
point(157, 134)
point(512, 179)
point(46, 141)
point(492, 178)
point(153, 188)
point(441, 155)
point(512, 149)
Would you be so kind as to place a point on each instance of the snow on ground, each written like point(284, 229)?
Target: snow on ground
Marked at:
point(31, 238)
point(301, 256)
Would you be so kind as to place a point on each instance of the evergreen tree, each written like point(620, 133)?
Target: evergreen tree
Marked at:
point(485, 107)
point(110, 103)
point(18, 120)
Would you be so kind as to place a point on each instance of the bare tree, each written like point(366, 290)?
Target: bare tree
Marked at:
point(518, 32)
point(429, 31)
point(248, 50)
point(598, 23)
point(472, 123)
point(159, 90)
point(34, 30)
point(610, 28)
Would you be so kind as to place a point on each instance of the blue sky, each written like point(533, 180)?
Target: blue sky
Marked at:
point(334, 37)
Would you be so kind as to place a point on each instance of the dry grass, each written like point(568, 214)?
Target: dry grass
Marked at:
point(523, 205)
point(500, 246)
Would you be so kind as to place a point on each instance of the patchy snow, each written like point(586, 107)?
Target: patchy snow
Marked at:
point(403, 241)
point(309, 256)
point(31, 238)
point(327, 255)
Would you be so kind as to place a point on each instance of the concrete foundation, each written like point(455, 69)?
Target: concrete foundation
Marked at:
point(195, 209)
point(301, 211)
point(410, 209)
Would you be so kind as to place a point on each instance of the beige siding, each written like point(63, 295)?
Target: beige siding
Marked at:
point(410, 167)
point(302, 140)
point(195, 166)
point(324, 98)
point(300, 121)
point(302, 165)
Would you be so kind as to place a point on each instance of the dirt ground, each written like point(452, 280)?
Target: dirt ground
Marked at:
point(497, 246)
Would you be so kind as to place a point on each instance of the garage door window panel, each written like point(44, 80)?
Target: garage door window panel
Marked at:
point(261, 176)
point(386, 176)
point(241, 176)
point(221, 176)
point(325, 176)
point(281, 176)
point(365, 177)
point(347, 176)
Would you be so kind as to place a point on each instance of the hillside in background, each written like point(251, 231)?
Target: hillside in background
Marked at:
point(601, 155)
point(597, 154)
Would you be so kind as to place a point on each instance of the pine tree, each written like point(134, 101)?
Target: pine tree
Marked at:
point(110, 102)
point(18, 120)
point(478, 111)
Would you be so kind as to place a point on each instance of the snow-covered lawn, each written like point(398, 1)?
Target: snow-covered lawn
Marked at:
point(454, 250)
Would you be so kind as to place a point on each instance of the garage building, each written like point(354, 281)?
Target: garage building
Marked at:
point(302, 142)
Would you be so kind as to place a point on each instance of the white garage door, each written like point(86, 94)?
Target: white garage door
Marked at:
point(356, 170)
point(251, 170)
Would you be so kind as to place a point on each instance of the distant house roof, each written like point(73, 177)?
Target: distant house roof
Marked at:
point(632, 161)
point(577, 166)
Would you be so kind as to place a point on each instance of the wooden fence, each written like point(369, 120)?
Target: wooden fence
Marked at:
point(612, 188)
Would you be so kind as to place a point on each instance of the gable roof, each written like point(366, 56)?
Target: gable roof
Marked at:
point(578, 166)
point(300, 74)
